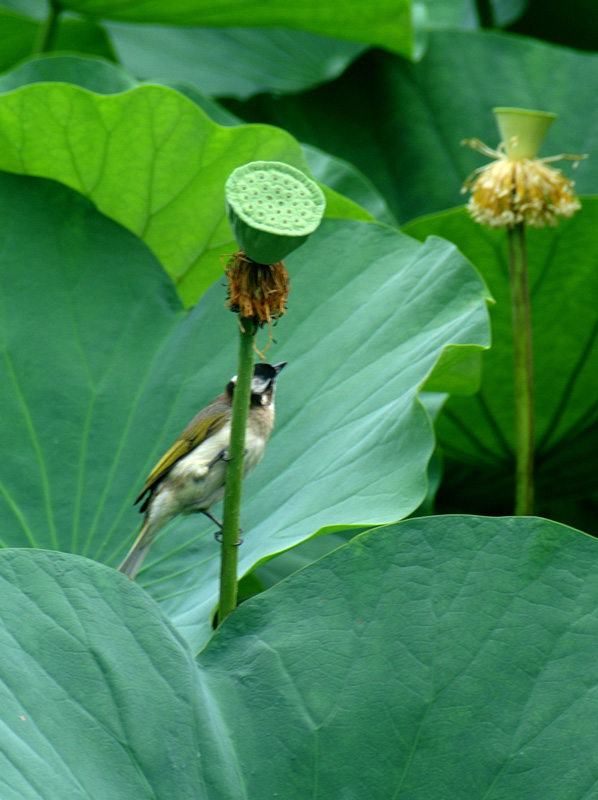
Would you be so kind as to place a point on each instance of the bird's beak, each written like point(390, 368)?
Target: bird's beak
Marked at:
point(278, 367)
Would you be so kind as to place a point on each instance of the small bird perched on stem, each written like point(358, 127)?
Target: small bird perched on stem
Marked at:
point(190, 477)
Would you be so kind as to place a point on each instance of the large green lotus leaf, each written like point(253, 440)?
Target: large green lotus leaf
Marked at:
point(284, 564)
point(103, 368)
point(407, 137)
point(478, 432)
point(232, 62)
point(466, 647)
point(147, 157)
point(98, 691)
point(386, 23)
point(444, 657)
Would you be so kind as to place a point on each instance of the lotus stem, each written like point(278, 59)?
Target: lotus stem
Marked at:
point(523, 371)
point(234, 471)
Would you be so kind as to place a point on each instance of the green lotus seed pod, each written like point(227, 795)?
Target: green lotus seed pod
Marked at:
point(523, 131)
point(272, 209)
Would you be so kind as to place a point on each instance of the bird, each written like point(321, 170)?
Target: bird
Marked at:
point(190, 476)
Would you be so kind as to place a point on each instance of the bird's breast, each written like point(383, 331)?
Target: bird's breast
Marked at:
point(197, 480)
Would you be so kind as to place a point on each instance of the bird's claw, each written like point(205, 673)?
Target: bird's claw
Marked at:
point(226, 456)
point(218, 537)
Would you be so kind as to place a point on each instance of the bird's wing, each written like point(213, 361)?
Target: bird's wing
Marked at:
point(200, 427)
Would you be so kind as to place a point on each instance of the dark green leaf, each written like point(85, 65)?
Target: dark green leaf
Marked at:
point(232, 62)
point(83, 36)
point(479, 431)
point(17, 38)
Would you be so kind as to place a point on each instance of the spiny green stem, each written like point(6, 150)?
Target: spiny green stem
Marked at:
point(234, 472)
point(523, 363)
point(49, 28)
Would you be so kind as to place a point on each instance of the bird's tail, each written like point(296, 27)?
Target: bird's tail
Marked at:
point(134, 558)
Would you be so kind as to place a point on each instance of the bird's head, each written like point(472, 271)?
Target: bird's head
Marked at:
point(263, 383)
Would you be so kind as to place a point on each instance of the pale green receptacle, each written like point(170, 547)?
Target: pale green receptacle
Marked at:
point(272, 208)
point(523, 131)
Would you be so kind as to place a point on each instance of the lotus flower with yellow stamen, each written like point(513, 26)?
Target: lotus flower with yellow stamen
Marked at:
point(517, 187)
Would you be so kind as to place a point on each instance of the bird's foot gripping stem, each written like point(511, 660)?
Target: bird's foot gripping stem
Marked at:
point(218, 537)
point(225, 456)
point(218, 534)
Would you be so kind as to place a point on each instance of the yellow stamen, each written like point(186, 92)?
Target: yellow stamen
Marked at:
point(512, 190)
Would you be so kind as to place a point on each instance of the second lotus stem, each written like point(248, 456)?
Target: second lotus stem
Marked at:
point(523, 371)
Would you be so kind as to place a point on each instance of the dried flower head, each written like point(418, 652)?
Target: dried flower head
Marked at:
point(511, 190)
point(257, 291)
